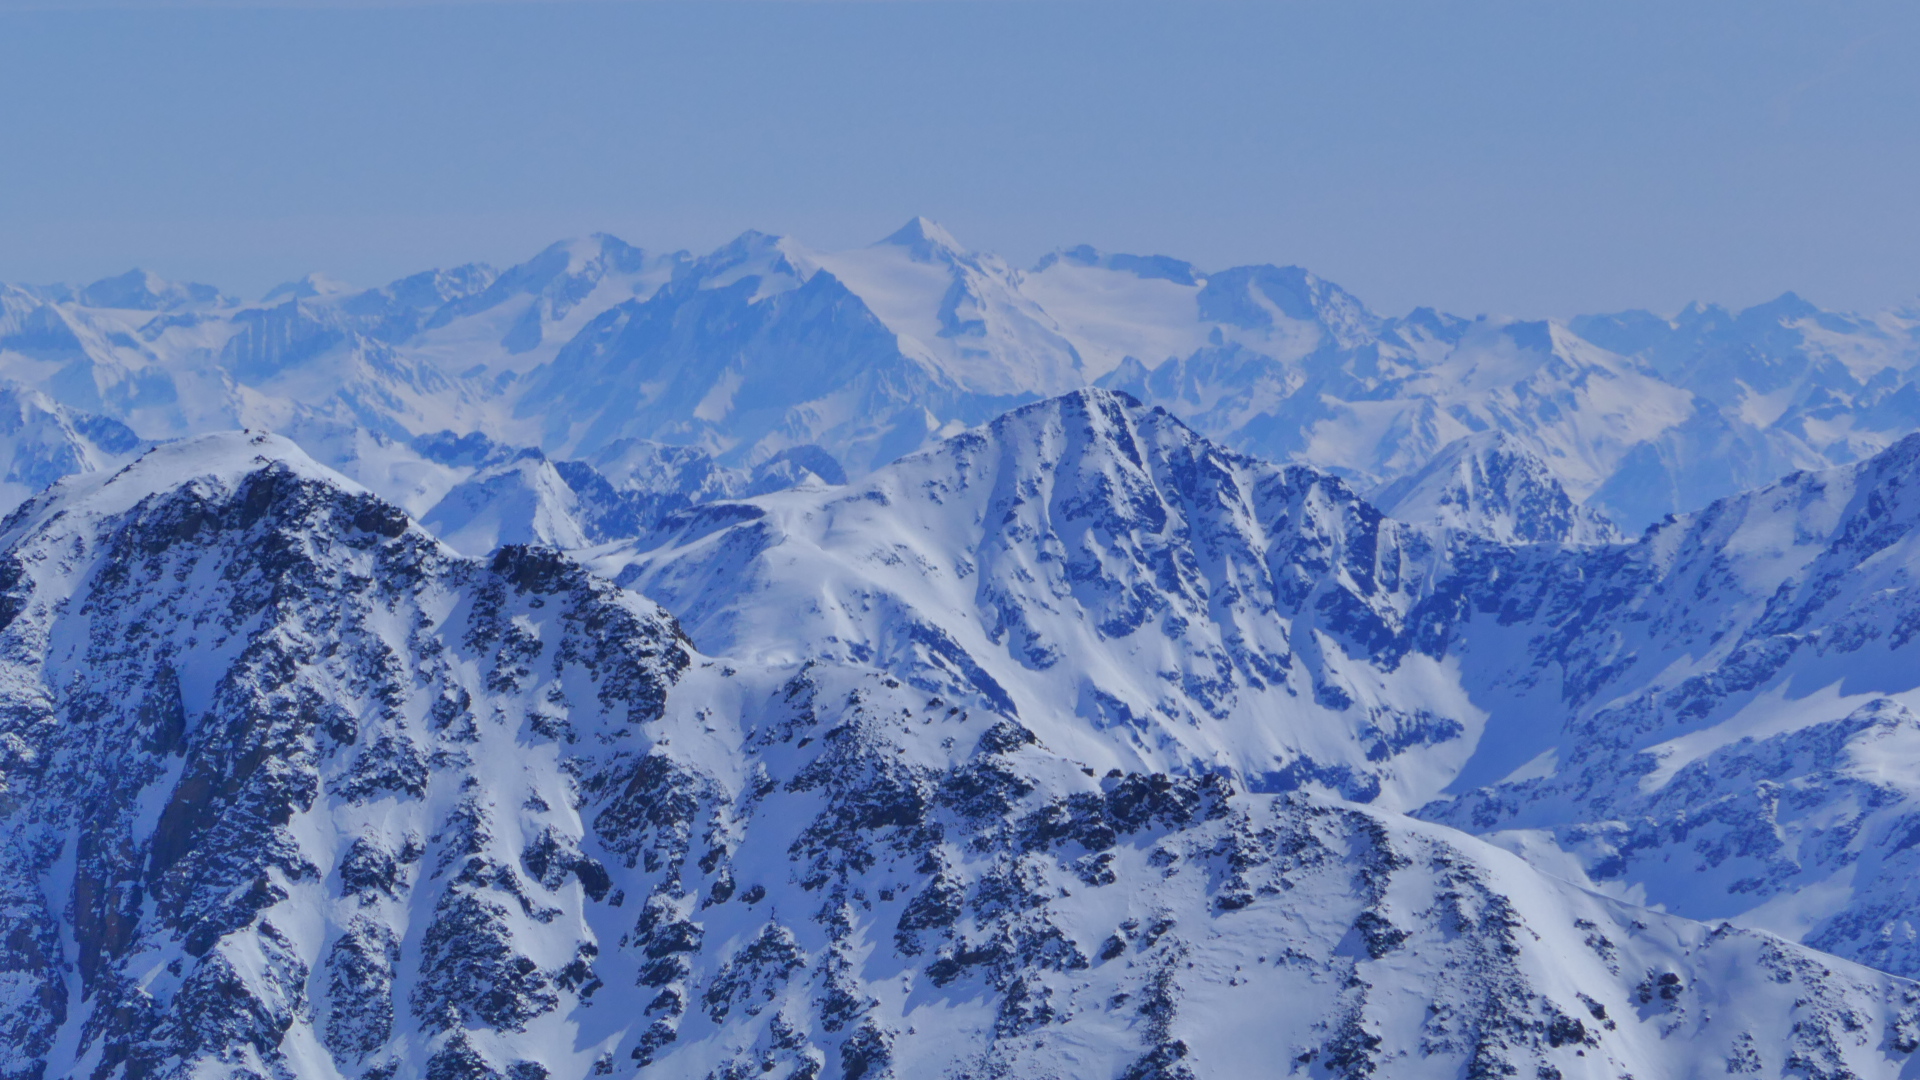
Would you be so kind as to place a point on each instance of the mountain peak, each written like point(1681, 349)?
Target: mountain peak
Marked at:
point(926, 239)
point(616, 254)
point(219, 455)
point(520, 501)
point(1490, 484)
point(1257, 296)
point(579, 257)
point(143, 290)
point(311, 287)
point(778, 261)
point(750, 244)
point(222, 458)
point(1789, 306)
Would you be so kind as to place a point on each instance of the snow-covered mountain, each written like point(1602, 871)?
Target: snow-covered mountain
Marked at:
point(292, 789)
point(1489, 485)
point(896, 663)
point(487, 494)
point(766, 345)
point(1733, 693)
point(521, 501)
point(42, 441)
point(1136, 595)
point(139, 290)
point(1374, 400)
point(1713, 718)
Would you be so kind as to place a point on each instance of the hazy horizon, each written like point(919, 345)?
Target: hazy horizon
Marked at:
point(1483, 157)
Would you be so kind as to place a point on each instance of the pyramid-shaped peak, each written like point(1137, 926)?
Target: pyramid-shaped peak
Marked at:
point(1786, 307)
point(925, 238)
point(753, 241)
point(606, 246)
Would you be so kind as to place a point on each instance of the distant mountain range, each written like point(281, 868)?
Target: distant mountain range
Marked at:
point(765, 347)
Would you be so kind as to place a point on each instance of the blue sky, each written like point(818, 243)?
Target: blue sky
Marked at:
point(1522, 158)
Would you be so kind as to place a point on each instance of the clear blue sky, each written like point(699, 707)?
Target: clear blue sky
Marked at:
point(1518, 157)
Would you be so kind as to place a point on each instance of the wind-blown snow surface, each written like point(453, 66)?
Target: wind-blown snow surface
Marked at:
point(379, 810)
point(766, 345)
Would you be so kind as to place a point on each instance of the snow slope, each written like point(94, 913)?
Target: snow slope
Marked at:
point(1732, 694)
point(1138, 596)
point(523, 501)
point(292, 789)
point(1714, 718)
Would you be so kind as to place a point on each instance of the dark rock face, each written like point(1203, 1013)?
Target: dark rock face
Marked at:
point(290, 644)
point(360, 970)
